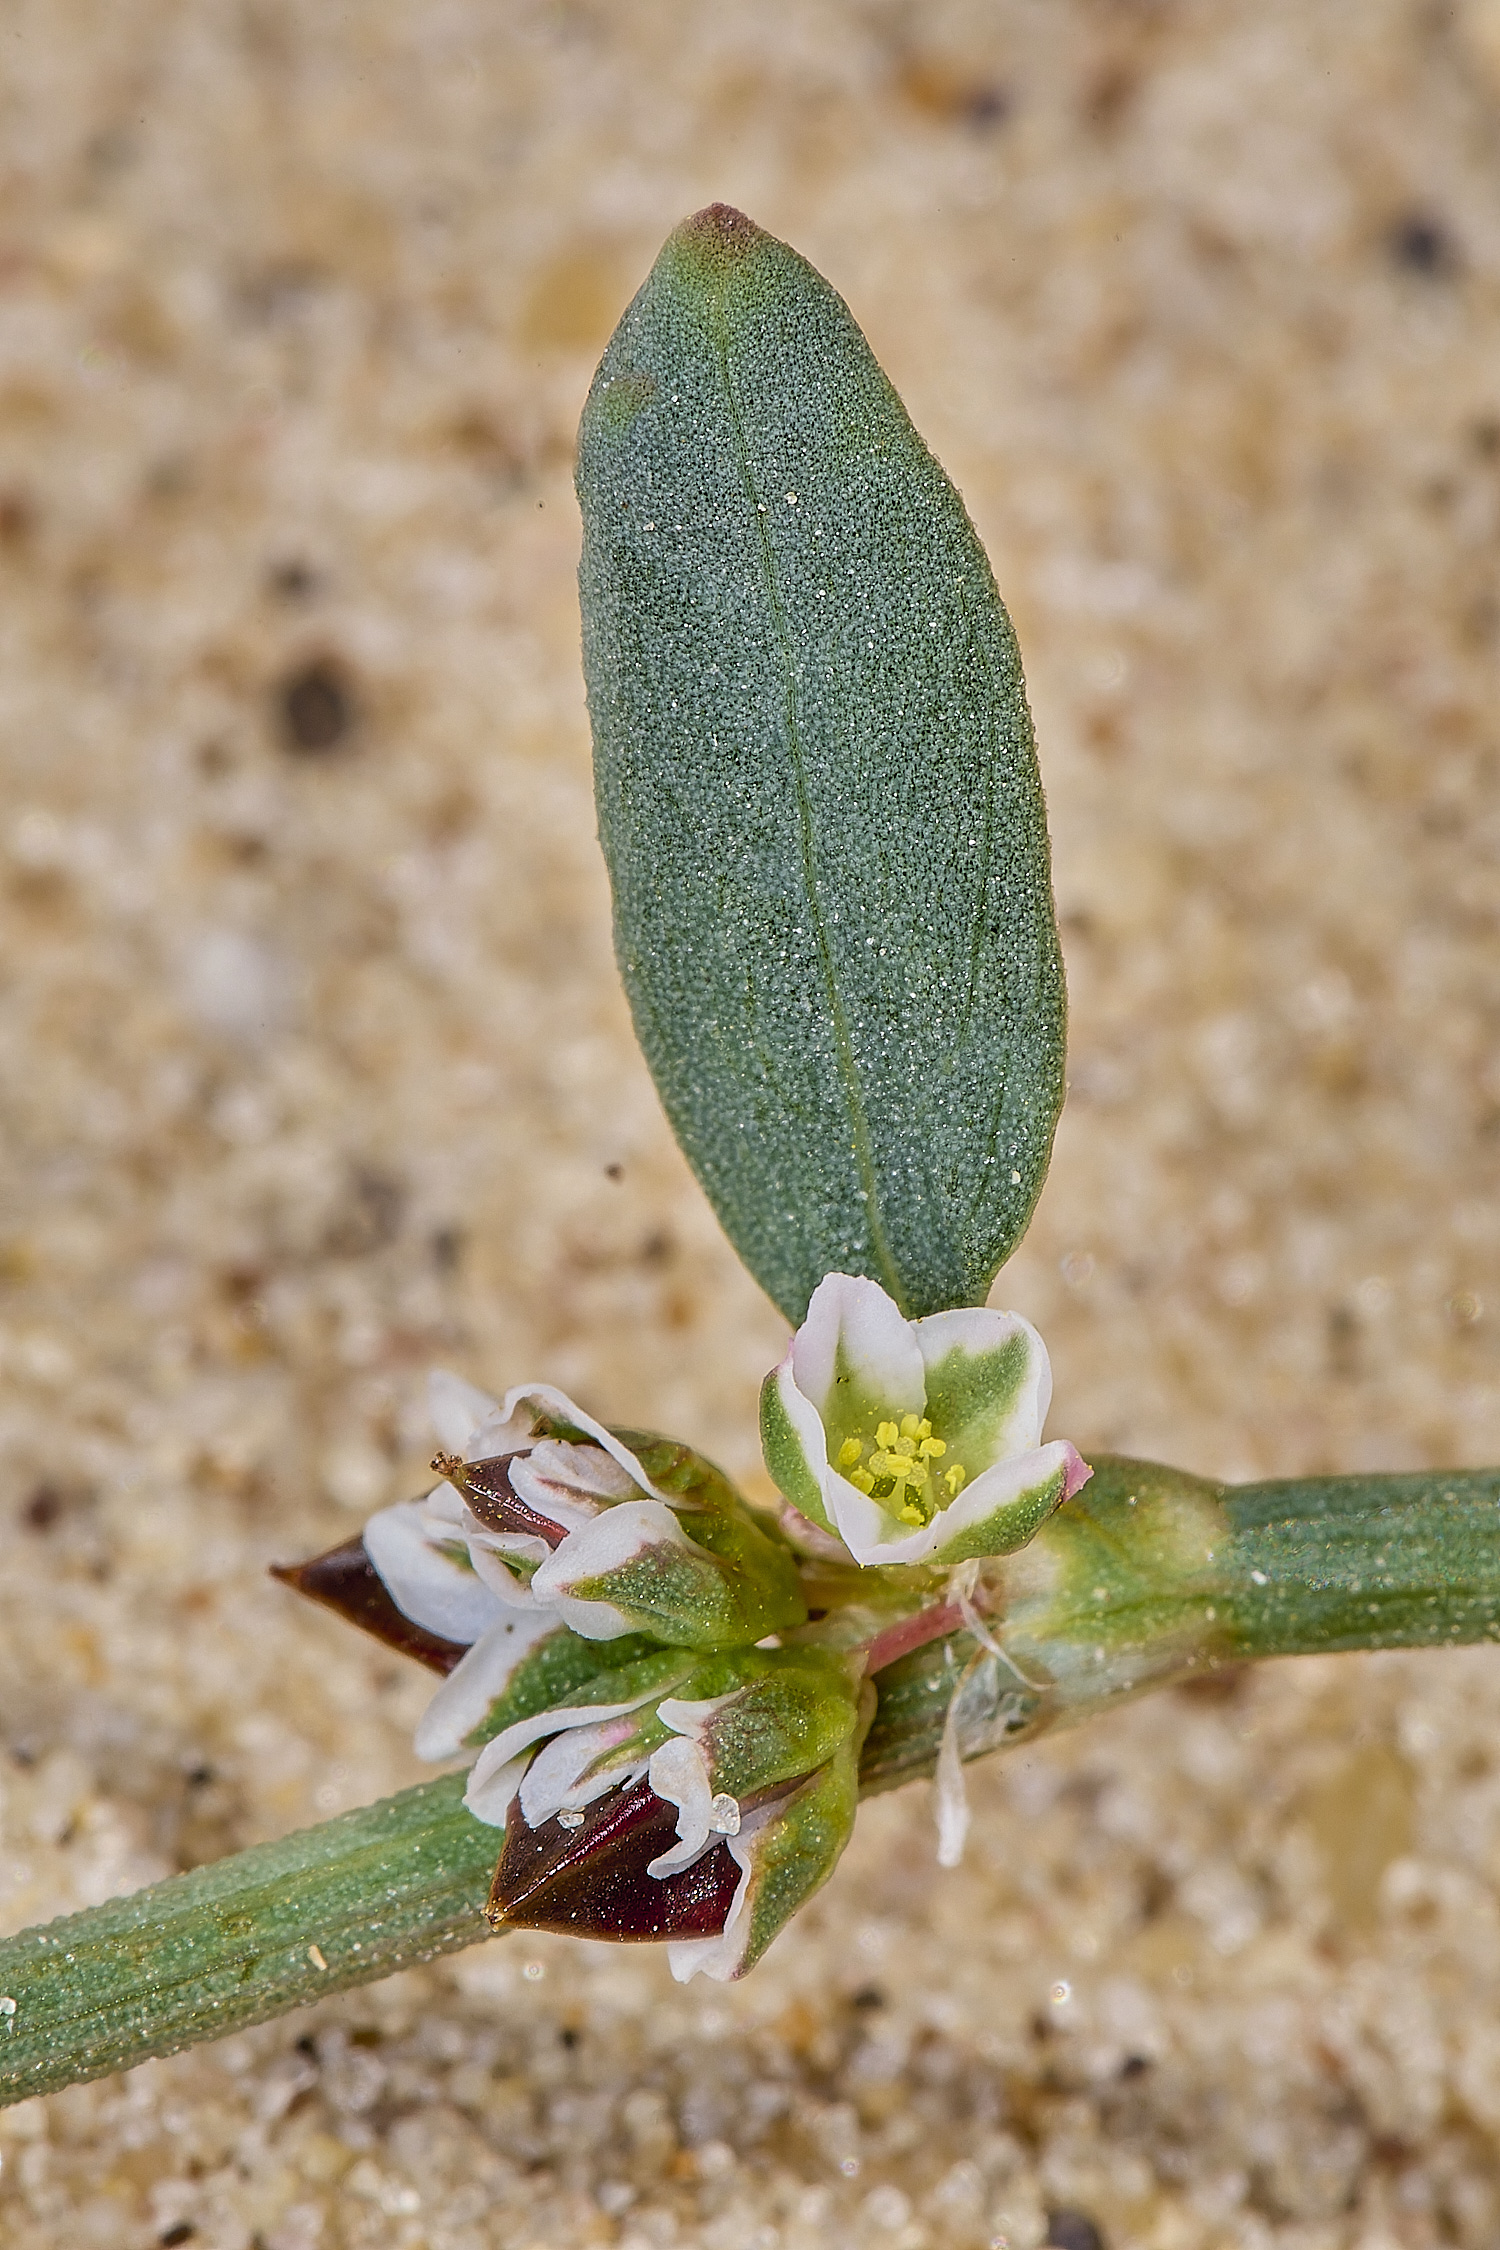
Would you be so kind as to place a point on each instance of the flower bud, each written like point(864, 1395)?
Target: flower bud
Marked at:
point(544, 1510)
point(549, 1532)
point(784, 1850)
point(591, 1881)
point(637, 1568)
point(725, 1757)
point(744, 1724)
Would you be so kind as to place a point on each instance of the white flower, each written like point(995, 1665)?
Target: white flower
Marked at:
point(914, 1441)
point(472, 1578)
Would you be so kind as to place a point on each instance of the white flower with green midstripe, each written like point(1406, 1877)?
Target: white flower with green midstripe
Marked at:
point(913, 1441)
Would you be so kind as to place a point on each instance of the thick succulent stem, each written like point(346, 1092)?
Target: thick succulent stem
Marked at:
point(1146, 1577)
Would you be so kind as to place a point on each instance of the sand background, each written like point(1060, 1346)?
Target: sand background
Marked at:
point(316, 1072)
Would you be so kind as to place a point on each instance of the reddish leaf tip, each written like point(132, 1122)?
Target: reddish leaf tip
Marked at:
point(721, 234)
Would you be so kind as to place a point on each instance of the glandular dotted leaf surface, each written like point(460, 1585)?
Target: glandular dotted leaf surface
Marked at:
point(817, 786)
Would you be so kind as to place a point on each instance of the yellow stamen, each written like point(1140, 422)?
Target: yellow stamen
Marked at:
point(901, 1466)
point(899, 1462)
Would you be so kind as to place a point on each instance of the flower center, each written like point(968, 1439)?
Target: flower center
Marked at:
point(898, 1468)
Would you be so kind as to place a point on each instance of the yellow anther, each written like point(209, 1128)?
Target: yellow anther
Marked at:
point(895, 1468)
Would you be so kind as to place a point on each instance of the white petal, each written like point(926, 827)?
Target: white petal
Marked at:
point(693, 1719)
point(854, 1327)
point(1003, 1485)
point(806, 1424)
point(679, 1773)
point(573, 1769)
point(871, 1535)
point(977, 1332)
point(472, 1686)
point(559, 1503)
point(525, 1732)
point(489, 1796)
point(581, 1468)
point(719, 1957)
point(591, 1621)
point(445, 1514)
point(508, 1586)
point(426, 1584)
point(558, 1407)
point(496, 1435)
point(613, 1539)
point(457, 1408)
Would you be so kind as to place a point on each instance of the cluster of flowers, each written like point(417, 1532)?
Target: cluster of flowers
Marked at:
point(664, 1691)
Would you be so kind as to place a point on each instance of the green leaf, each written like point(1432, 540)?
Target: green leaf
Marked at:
point(817, 787)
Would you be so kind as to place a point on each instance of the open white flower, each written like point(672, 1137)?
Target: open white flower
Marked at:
point(914, 1441)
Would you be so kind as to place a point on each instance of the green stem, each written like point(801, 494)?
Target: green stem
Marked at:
point(1151, 1575)
point(1148, 1576)
point(266, 1930)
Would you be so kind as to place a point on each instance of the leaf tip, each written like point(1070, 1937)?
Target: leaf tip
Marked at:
point(719, 235)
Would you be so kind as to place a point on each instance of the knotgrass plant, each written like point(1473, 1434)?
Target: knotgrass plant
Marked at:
point(819, 801)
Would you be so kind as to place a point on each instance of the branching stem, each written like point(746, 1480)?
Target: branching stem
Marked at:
point(1148, 1576)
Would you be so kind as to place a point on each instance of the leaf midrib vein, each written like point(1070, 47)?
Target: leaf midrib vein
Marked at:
point(863, 1153)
